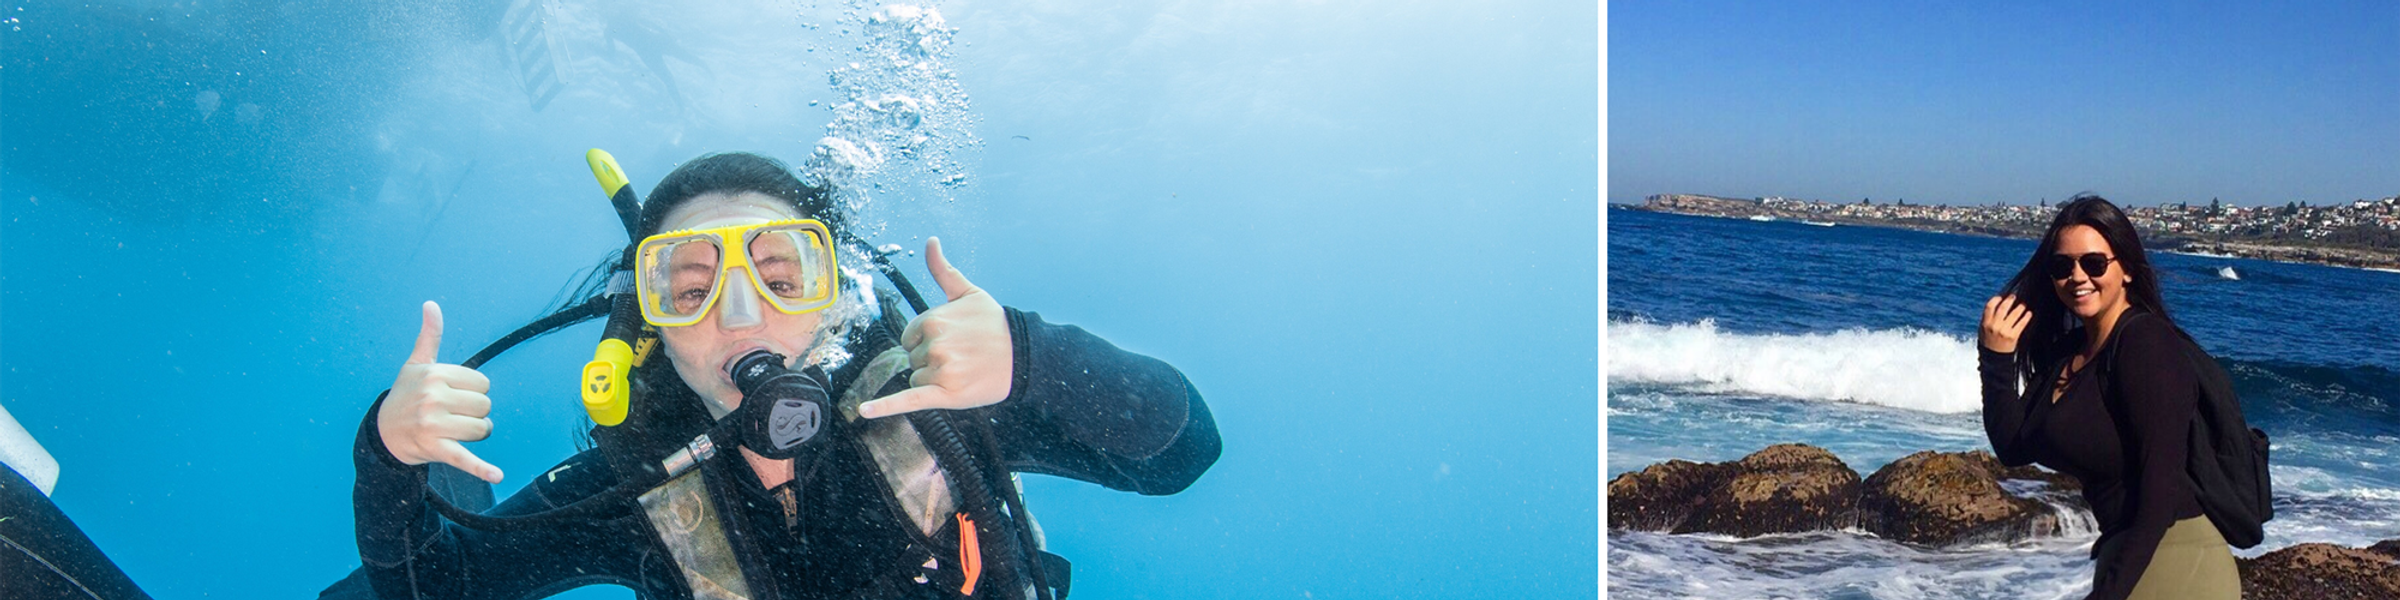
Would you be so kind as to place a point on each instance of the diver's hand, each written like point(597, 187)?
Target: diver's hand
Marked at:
point(433, 407)
point(961, 350)
point(2004, 318)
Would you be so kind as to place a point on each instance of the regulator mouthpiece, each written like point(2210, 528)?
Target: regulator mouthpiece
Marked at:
point(782, 410)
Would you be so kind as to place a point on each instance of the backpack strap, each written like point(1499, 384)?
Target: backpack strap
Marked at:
point(2108, 355)
point(2106, 362)
point(2116, 339)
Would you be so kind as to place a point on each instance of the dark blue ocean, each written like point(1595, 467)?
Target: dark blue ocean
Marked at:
point(1367, 232)
point(1729, 335)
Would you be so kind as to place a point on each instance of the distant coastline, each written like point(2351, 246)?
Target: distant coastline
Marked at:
point(2360, 234)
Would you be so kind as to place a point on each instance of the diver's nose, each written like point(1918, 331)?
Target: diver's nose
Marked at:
point(739, 308)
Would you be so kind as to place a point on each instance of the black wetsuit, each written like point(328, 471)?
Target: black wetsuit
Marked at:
point(1079, 408)
point(44, 555)
point(2123, 436)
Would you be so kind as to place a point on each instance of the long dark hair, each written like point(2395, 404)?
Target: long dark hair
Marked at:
point(2045, 339)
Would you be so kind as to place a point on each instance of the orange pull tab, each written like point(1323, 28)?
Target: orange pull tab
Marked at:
point(970, 554)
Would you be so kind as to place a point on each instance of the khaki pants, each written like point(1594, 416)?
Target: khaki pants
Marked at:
point(2192, 561)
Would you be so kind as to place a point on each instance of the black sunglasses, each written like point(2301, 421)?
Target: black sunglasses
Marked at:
point(2062, 266)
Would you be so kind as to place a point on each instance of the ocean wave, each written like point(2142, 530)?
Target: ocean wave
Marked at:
point(1924, 370)
point(1903, 368)
point(2354, 392)
point(2316, 505)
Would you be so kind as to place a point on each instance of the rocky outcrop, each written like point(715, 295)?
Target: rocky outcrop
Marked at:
point(2323, 572)
point(1927, 498)
point(1660, 497)
point(1946, 498)
point(1782, 489)
point(1788, 487)
point(1939, 499)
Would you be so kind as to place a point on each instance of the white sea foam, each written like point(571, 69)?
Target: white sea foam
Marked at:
point(1839, 564)
point(1903, 368)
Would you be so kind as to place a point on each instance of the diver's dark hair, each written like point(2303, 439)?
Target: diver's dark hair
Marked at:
point(736, 172)
point(2044, 340)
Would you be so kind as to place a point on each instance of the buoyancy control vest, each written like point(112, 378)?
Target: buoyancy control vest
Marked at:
point(999, 550)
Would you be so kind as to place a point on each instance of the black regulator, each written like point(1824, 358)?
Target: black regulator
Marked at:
point(782, 409)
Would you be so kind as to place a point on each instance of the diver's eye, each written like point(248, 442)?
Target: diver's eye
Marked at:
point(689, 300)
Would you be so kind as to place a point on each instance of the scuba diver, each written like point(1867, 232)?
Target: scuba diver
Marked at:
point(769, 425)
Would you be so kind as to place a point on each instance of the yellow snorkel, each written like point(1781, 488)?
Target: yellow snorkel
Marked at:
point(619, 190)
point(606, 393)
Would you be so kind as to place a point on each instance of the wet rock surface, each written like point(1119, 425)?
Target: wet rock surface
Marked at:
point(1931, 498)
point(1659, 497)
point(2315, 571)
point(1948, 498)
point(1784, 488)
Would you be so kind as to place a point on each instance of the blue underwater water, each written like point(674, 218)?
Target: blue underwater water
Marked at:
point(1728, 335)
point(1364, 230)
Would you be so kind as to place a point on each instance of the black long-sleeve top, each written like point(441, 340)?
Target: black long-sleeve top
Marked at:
point(1078, 407)
point(2123, 436)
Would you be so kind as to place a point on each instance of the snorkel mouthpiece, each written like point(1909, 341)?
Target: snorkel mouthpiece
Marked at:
point(782, 410)
point(607, 394)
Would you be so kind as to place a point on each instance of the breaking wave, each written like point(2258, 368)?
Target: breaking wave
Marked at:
point(1902, 368)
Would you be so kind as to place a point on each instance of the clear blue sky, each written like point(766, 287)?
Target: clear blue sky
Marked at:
point(2254, 103)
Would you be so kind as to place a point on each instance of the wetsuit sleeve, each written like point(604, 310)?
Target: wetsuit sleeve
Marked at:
point(2006, 410)
point(1082, 408)
point(45, 555)
point(2159, 396)
point(409, 551)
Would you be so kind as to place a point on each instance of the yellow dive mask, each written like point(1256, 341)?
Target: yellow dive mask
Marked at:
point(680, 275)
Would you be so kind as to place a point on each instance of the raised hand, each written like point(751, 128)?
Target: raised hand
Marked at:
point(433, 407)
point(961, 350)
point(2004, 319)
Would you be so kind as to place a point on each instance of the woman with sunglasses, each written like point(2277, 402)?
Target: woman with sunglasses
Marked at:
point(2072, 379)
point(738, 257)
